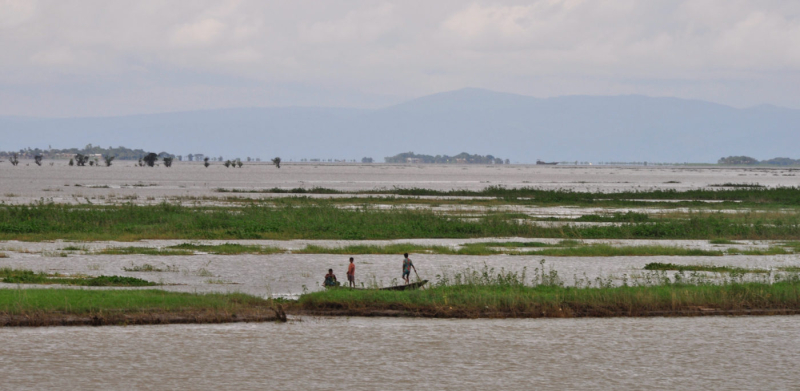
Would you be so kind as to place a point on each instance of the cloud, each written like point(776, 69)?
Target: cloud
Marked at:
point(739, 52)
point(16, 12)
point(199, 33)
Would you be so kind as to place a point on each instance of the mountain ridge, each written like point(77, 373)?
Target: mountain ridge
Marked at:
point(519, 127)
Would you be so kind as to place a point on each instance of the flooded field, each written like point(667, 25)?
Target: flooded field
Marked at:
point(287, 274)
point(732, 353)
point(124, 182)
point(375, 353)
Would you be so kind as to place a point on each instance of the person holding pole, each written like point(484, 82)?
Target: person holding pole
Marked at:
point(407, 266)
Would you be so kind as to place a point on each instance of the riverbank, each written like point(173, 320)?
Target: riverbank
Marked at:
point(78, 307)
point(516, 301)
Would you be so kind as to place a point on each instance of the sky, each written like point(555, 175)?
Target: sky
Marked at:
point(65, 58)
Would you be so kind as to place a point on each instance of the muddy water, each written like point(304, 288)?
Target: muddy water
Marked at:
point(287, 275)
point(123, 182)
point(736, 353)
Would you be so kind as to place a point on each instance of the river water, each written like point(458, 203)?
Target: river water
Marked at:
point(123, 182)
point(734, 353)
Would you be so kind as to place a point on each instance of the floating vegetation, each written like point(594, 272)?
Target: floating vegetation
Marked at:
point(228, 248)
point(700, 268)
point(23, 276)
point(143, 251)
point(722, 241)
point(150, 268)
point(737, 185)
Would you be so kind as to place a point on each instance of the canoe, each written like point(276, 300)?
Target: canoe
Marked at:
point(413, 285)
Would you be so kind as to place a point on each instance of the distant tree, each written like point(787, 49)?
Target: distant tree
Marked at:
point(248, 159)
point(38, 160)
point(239, 163)
point(228, 163)
point(108, 159)
point(737, 160)
point(220, 158)
point(508, 161)
point(206, 163)
point(168, 161)
point(150, 159)
point(81, 159)
point(277, 162)
point(366, 160)
point(191, 157)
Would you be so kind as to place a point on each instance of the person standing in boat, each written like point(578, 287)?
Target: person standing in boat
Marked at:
point(407, 266)
point(351, 273)
point(330, 279)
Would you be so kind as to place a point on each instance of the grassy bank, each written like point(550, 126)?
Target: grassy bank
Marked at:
point(550, 301)
point(323, 220)
point(42, 307)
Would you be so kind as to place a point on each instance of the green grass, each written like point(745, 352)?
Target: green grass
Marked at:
point(722, 241)
point(750, 194)
point(700, 268)
point(143, 251)
point(150, 268)
point(604, 250)
point(324, 220)
point(556, 301)
point(228, 248)
point(22, 276)
point(76, 301)
point(774, 250)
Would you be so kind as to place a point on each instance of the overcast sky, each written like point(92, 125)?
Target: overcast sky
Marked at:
point(107, 57)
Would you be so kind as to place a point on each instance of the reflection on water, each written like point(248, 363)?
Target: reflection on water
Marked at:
point(366, 354)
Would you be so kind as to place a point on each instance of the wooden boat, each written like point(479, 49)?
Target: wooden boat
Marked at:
point(413, 285)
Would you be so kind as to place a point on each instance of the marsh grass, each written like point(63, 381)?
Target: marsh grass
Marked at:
point(143, 251)
point(324, 220)
point(145, 268)
point(492, 293)
point(23, 276)
point(76, 301)
point(701, 268)
point(3, 255)
point(722, 241)
point(739, 193)
point(605, 250)
point(228, 248)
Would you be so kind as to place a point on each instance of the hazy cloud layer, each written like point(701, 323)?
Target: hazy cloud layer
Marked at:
point(102, 57)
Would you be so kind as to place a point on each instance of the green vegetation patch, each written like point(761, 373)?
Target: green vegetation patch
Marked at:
point(228, 248)
point(143, 251)
point(76, 301)
point(722, 241)
point(555, 301)
point(605, 250)
point(22, 276)
point(700, 268)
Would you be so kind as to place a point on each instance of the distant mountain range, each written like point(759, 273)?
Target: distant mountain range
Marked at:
point(521, 128)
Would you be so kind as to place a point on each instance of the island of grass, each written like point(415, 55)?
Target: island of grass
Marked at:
point(75, 307)
point(23, 276)
point(517, 301)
